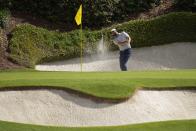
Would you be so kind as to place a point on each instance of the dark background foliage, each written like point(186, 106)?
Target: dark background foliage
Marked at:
point(97, 13)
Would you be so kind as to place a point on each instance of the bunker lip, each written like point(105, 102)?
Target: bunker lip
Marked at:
point(59, 108)
point(76, 93)
point(94, 98)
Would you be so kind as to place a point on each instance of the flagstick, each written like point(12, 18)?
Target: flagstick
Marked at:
point(81, 49)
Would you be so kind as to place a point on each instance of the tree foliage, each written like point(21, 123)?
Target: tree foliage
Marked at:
point(185, 4)
point(96, 13)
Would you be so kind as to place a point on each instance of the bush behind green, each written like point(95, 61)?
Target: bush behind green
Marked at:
point(30, 45)
point(174, 27)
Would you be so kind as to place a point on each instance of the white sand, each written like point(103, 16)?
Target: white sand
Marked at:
point(164, 57)
point(55, 107)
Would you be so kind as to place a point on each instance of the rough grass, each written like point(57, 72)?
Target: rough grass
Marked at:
point(108, 85)
point(183, 125)
point(31, 45)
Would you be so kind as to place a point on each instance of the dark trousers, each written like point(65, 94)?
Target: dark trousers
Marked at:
point(124, 57)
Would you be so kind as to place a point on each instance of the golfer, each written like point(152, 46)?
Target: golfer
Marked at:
point(122, 40)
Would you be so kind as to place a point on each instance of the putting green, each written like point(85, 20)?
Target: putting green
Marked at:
point(110, 85)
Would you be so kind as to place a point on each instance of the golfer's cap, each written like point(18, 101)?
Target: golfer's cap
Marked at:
point(113, 30)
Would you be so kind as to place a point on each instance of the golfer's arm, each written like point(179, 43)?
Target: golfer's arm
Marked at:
point(128, 39)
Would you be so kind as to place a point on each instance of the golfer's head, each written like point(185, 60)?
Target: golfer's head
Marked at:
point(114, 32)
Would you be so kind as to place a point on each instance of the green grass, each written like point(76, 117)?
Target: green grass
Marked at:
point(183, 125)
point(110, 85)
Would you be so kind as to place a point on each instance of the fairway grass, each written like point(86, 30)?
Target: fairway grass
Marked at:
point(180, 125)
point(107, 85)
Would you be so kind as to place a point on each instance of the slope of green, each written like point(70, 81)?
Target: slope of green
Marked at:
point(110, 85)
point(183, 125)
point(30, 45)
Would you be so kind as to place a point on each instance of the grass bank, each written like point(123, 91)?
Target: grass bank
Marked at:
point(183, 125)
point(106, 85)
point(31, 45)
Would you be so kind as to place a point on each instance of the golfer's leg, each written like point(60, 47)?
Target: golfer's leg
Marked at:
point(127, 54)
point(124, 65)
point(121, 60)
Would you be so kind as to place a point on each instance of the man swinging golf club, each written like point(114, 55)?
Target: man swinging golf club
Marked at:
point(122, 40)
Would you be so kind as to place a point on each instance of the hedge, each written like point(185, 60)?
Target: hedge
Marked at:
point(30, 45)
point(173, 27)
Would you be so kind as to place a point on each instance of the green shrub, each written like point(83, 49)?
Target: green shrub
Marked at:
point(174, 27)
point(4, 17)
point(30, 45)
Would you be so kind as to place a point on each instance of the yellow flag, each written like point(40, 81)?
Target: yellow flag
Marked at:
point(78, 17)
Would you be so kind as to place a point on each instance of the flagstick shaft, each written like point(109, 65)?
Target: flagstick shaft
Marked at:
point(81, 49)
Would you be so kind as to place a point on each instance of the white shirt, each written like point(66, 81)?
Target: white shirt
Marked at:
point(121, 37)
